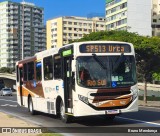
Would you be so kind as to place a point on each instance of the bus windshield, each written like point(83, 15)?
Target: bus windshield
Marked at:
point(106, 71)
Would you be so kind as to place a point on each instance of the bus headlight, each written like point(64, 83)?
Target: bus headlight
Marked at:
point(83, 99)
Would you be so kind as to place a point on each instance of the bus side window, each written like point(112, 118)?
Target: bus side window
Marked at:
point(30, 70)
point(48, 68)
point(17, 69)
point(25, 72)
point(57, 67)
point(38, 71)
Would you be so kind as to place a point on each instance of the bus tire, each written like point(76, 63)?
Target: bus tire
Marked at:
point(30, 107)
point(64, 117)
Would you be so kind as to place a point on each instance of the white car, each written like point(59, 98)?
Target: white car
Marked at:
point(6, 91)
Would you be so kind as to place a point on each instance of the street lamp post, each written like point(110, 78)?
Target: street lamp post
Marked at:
point(23, 30)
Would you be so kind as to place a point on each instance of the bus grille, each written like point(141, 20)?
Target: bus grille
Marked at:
point(109, 94)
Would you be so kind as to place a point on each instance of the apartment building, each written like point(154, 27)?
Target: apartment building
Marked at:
point(155, 17)
point(62, 30)
point(16, 18)
point(130, 15)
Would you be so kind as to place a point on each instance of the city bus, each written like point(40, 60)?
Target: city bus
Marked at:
point(93, 78)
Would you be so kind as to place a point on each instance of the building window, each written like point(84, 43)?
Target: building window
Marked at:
point(53, 46)
point(69, 28)
point(80, 35)
point(90, 30)
point(70, 23)
point(85, 24)
point(55, 23)
point(64, 22)
point(154, 20)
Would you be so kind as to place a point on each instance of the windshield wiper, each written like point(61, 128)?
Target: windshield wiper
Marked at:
point(99, 61)
point(119, 61)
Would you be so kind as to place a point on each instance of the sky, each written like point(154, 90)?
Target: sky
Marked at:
point(56, 8)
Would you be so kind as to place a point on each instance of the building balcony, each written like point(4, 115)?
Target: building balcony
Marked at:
point(14, 7)
point(27, 48)
point(27, 43)
point(14, 17)
point(27, 9)
point(12, 12)
point(27, 24)
point(13, 42)
point(27, 34)
point(27, 19)
point(26, 14)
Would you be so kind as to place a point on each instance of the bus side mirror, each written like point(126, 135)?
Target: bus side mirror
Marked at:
point(73, 65)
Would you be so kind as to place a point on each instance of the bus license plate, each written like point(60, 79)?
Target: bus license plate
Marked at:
point(112, 111)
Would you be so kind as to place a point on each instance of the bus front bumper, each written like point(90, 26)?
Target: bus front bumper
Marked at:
point(82, 109)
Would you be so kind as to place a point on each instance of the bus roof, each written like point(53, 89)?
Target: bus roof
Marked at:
point(102, 42)
point(56, 50)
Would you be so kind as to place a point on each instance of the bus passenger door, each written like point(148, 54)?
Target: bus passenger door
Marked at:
point(21, 83)
point(67, 78)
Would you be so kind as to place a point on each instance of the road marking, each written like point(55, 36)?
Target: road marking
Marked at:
point(9, 105)
point(152, 123)
point(8, 100)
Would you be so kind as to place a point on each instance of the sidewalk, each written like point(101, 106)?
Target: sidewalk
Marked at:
point(149, 103)
point(10, 121)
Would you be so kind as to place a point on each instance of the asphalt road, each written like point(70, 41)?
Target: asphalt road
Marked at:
point(146, 118)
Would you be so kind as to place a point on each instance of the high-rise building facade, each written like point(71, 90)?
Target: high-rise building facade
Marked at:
point(62, 30)
point(20, 21)
point(130, 15)
point(155, 17)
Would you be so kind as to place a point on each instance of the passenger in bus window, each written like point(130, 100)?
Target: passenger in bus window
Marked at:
point(84, 75)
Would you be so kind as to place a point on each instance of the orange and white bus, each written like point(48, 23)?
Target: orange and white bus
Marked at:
point(80, 79)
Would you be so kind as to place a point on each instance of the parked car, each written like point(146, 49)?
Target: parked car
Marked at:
point(6, 91)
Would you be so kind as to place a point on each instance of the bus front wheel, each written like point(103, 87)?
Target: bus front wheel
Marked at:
point(64, 117)
point(30, 107)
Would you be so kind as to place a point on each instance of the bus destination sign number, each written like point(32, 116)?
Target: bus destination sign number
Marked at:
point(105, 48)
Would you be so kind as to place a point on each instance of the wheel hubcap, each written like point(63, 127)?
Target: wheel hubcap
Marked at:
point(62, 112)
point(30, 106)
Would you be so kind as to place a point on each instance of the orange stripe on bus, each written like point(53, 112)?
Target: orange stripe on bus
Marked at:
point(115, 103)
point(25, 92)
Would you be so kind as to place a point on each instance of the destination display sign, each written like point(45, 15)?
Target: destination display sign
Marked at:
point(105, 48)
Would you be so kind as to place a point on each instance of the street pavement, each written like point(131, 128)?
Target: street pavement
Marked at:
point(146, 117)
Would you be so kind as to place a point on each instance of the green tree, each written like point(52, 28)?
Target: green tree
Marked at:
point(6, 70)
